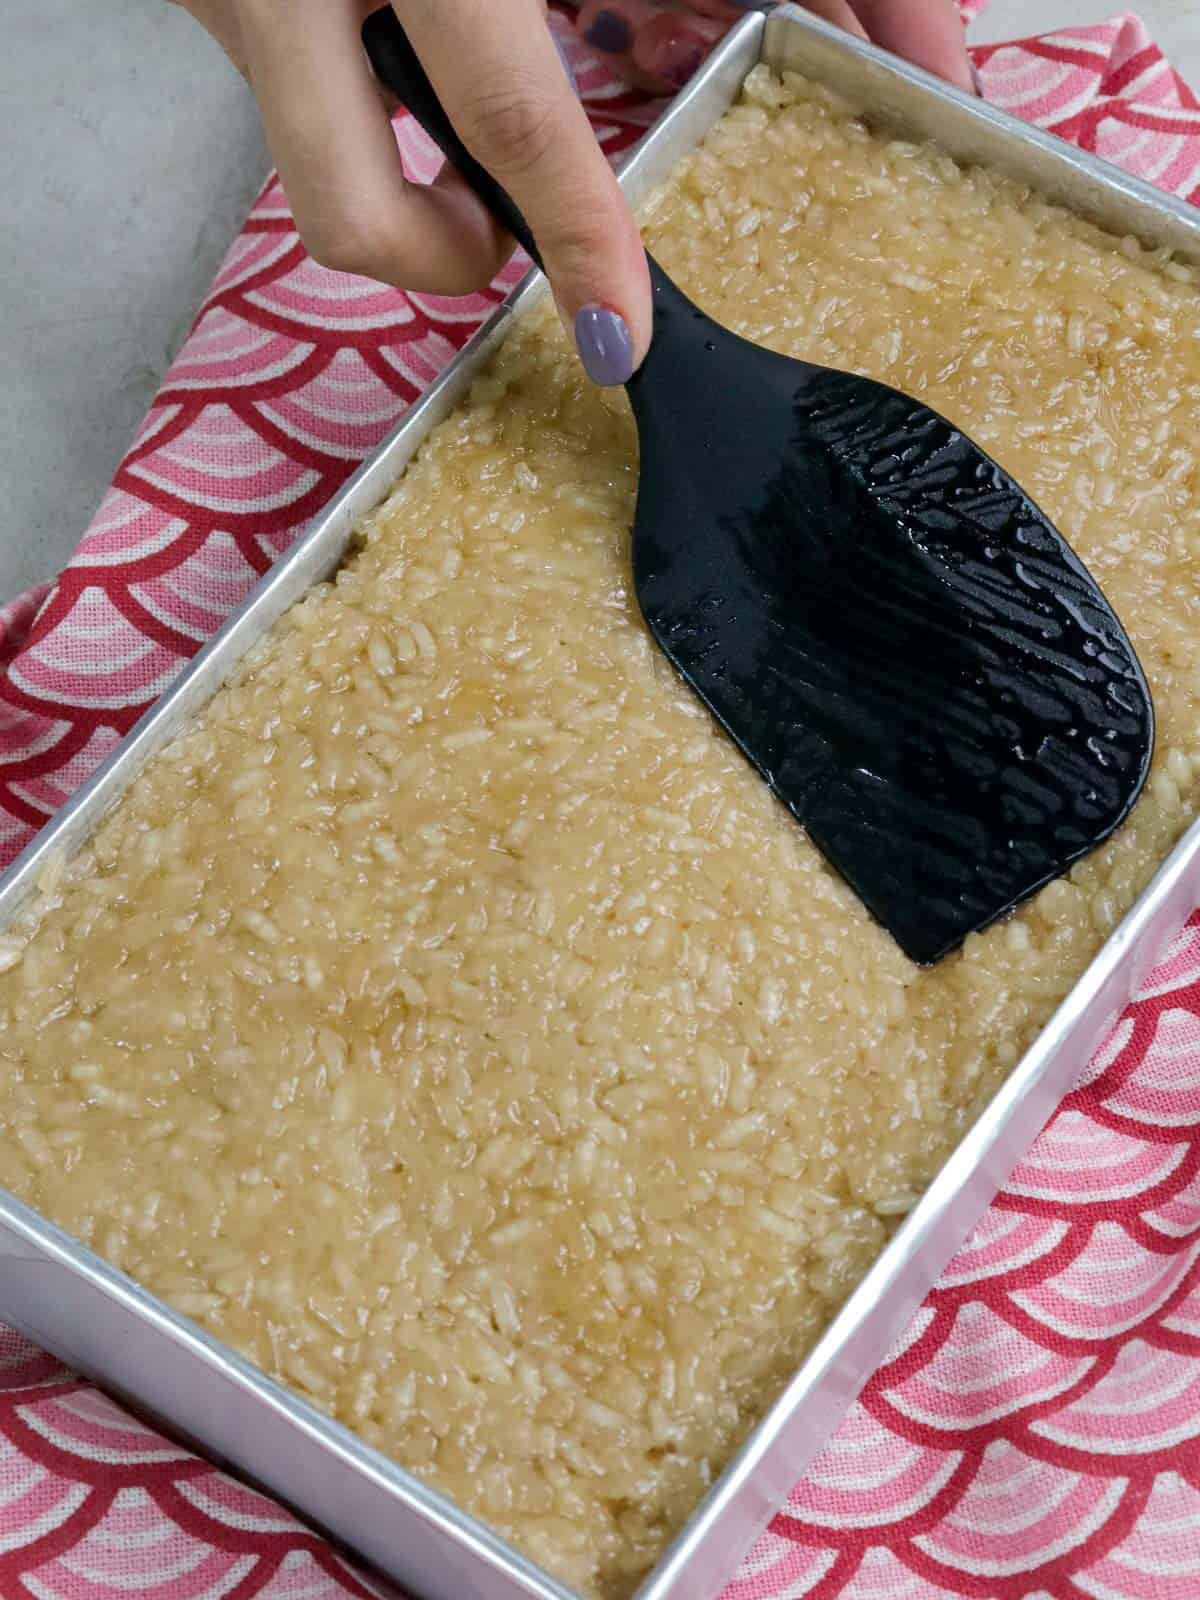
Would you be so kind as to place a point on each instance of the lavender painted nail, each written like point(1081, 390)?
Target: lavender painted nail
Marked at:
point(604, 346)
point(566, 61)
point(610, 32)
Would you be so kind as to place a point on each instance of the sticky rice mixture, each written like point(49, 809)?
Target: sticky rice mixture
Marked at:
point(453, 1023)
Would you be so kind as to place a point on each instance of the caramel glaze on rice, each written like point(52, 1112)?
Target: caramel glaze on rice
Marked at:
point(454, 1024)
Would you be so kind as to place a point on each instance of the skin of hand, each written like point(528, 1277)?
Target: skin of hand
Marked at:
point(499, 74)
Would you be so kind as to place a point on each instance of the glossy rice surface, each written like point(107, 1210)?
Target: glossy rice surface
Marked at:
point(453, 1023)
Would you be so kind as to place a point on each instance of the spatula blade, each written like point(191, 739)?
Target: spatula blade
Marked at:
point(894, 634)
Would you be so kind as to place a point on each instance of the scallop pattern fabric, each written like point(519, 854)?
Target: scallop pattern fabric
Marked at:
point(1035, 1433)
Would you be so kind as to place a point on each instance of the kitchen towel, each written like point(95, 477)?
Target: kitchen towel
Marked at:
point(1035, 1434)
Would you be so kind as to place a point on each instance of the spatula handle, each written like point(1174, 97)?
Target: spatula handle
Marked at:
point(398, 67)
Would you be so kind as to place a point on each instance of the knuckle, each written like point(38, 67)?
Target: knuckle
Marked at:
point(577, 238)
point(349, 246)
point(511, 127)
point(258, 12)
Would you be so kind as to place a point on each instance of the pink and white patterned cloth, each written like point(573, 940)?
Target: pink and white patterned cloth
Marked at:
point(1035, 1435)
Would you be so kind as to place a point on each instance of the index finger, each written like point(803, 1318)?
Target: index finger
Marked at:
point(498, 74)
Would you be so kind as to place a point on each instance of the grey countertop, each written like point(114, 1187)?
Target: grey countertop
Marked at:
point(139, 154)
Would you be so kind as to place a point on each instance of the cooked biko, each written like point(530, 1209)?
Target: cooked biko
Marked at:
point(453, 1022)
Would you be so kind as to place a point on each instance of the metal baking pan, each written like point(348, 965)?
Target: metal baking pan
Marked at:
point(102, 1323)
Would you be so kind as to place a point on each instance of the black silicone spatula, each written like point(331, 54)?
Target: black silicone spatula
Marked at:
point(890, 629)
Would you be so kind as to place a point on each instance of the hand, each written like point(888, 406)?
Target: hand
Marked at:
point(498, 73)
point(658, 44)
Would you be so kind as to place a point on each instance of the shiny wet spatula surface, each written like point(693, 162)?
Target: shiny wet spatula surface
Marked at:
point(891, 631)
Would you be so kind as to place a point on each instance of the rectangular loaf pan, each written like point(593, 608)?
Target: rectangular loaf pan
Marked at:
point(71, 1302)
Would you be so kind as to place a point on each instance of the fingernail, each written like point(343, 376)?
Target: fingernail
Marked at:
point(976, 80)
point(610, 32)
point(604, 346)
point(674, 57)
point(566, 61)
